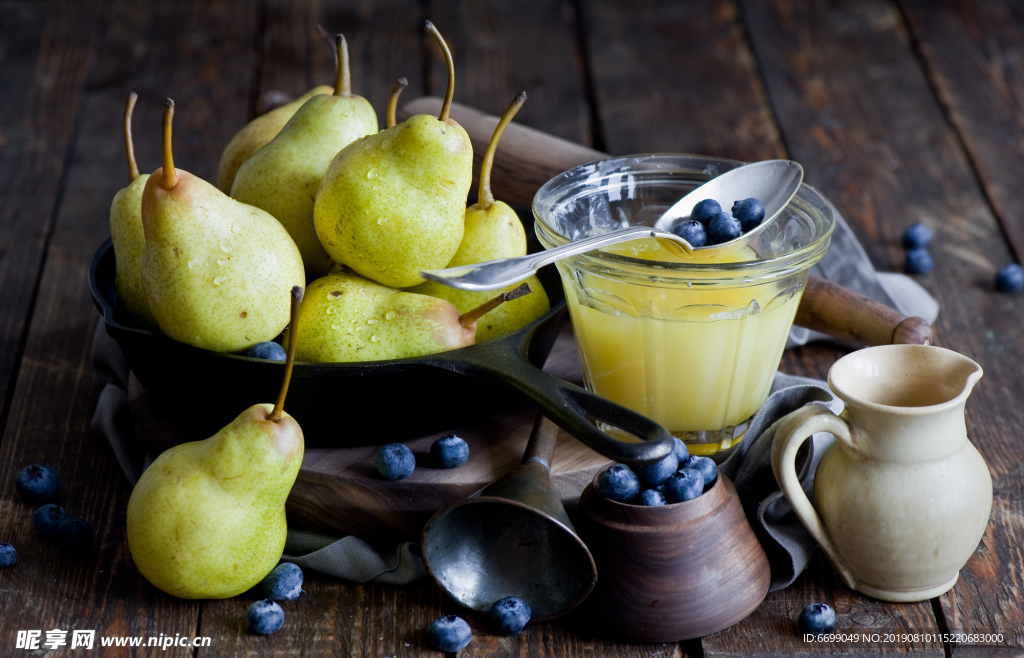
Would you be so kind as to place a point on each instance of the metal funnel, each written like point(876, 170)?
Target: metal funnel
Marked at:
point(512, 538)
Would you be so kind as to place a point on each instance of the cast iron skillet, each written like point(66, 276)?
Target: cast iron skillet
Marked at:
point(349, 404)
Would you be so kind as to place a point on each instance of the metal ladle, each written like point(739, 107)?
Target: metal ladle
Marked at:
point(774, 182)
point(512, 538)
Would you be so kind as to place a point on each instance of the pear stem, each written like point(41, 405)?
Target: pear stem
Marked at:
point(343, 78)
point(129, 148)
point(450, 94)
point(469, 318)
point(326, 36)
point(170, 175)
point(485, 198)
point(289, 363)
point(396, 91)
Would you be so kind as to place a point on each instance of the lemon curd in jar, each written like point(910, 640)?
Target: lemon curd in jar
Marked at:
point(693, 345)
point(694, 359)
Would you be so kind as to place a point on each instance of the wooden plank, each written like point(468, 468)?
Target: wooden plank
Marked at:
point(856, 110)
point(503, 48)
point(331, 618)
point(974, 53)
point(189, 50)
point(673, 77)
point(44, 57)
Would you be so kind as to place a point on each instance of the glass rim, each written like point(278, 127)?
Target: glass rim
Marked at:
point(552, 192)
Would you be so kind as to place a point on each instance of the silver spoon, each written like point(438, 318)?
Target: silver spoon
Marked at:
point(774, 182)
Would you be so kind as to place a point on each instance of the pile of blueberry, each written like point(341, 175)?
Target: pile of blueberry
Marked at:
point(709, 224)
point(916, 241)
point(1010, 278)
point(38, 483)
point(674, 479)
point(452, 633)
point(395, 461)
point(283, 583)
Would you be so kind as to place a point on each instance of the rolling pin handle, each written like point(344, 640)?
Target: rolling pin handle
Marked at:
point(912, 331)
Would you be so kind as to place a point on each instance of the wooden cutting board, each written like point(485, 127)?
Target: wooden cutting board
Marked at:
point(339, 490)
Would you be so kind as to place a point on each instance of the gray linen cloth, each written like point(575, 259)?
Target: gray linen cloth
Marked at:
point(787, 544)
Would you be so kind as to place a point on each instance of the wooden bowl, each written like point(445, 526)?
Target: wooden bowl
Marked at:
point(674, 572)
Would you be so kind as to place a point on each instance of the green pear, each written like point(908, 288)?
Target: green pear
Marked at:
point(128, 237)
point(492, 230)
point(349, 318)
point(283, 176)
point(256, 134)
point(207, 520)
point(216, 272)
point(392, 204)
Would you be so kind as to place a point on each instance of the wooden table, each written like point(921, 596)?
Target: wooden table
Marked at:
point(900, 111)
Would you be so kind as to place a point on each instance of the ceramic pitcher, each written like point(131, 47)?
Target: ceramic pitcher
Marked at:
point(902, 498)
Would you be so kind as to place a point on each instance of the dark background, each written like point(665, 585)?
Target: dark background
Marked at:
point(900, 111)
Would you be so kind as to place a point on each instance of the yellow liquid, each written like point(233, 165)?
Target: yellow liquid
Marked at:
point(693, 359)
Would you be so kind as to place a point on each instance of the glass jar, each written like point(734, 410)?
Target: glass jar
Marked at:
point(694, 346)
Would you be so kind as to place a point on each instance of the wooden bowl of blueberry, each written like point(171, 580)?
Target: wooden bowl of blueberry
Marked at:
point(675, 554)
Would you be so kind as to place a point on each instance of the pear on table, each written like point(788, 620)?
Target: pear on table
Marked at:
point(348, 318)
point(283, 176)
point(392, 204)
point(128, 237)
point(207, 519)
point(492, 230)
point(216, 272)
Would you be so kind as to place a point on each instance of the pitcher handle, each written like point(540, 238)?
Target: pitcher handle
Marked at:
point(796, 428)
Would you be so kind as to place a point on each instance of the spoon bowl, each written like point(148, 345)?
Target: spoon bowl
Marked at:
point(774, 182)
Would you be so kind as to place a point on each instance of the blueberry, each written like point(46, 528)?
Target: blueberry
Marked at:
point(692, 231)
point(749, 213)
point(919, 261)
point(917, 236)
point(449, 633)
point(817, 618)
point(37, 483)
point(686, 484)
point(618, 482)
point(46, 519)
point(268, 350)
point(1010, 278)
point(723, 228)
point(264, 617)
point(284, 582)
point(705, 211)
point(8, 556)
point(707, 467)
point(651, 475)
point(510, 615)
point(74, 532)
point(651, 498)
point(395, 461)
point(682, 453)
point(449, 451)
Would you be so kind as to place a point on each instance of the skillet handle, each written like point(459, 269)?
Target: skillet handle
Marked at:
point(504, 362)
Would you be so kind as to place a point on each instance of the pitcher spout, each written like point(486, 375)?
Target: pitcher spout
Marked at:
point(908, 377)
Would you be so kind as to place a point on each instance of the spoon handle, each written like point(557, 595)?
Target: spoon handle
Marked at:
point(502, 272)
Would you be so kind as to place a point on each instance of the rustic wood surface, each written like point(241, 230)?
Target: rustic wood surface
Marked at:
point(899, 111)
